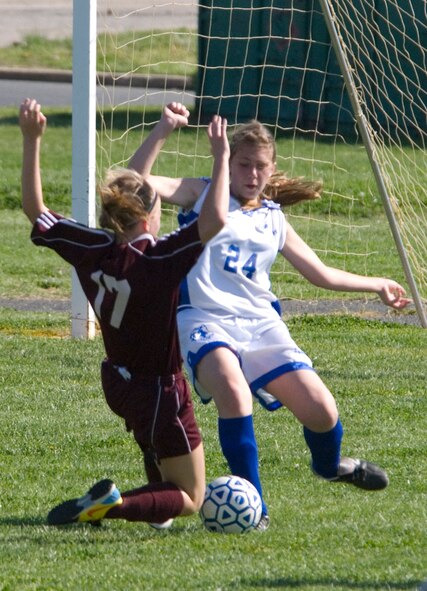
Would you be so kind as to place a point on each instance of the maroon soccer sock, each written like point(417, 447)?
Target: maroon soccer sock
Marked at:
point(154, 503)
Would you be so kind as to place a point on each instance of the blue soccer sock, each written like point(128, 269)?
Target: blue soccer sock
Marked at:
point(239, 446)
point(325, 450)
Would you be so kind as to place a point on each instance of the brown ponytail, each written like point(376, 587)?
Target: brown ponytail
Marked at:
point(288, 191)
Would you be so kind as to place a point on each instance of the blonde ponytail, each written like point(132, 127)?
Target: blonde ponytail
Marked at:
point(125, 198)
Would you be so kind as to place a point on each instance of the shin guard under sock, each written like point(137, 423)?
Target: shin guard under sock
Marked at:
point(239, 446)
point(325, 450)
point(154, 503)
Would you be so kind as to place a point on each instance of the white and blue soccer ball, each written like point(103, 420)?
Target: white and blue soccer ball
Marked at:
point(232, 505)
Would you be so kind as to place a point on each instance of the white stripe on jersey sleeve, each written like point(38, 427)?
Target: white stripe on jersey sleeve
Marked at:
point(47, 220)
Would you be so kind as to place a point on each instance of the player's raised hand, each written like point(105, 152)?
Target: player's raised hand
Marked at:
point(217, 134)
point(31, 120)
point(33, 124)
point(176, 115)
point(213, 214)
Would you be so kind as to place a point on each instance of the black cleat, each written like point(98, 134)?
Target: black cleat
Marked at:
point(362, 474)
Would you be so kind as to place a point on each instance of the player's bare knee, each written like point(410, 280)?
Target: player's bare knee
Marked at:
point(193, 501)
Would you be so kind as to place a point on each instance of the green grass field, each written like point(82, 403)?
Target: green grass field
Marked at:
point(58, 438)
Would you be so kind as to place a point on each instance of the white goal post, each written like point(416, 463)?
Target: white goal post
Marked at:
point(83, 146)
point(336, 81)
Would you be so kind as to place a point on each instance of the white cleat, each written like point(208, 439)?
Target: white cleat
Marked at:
point(165, 525)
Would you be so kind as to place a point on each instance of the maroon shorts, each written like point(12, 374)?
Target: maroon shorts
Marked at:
point(159, 411)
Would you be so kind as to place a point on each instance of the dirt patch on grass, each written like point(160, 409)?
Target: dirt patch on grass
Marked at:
point(366, 309)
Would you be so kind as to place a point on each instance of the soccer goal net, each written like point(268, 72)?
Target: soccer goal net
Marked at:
point(341, 85)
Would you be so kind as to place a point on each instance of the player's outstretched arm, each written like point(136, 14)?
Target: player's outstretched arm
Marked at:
point(174, 116)
point(213, 213)
point(305, 260)
point(180, 191)
point(33, 124)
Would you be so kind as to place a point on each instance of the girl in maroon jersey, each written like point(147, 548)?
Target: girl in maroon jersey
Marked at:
point(131, 279)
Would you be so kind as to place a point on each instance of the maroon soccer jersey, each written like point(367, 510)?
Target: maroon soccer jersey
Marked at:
point(133, 287)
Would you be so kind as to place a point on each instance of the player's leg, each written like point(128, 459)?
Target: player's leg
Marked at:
point(171, 431)
point(210, 350)
point(274, 363)
point(219, 373)
point(307, 397)
point(153, 503)
point(189, 468)
point(181, 493)
point(188, 473)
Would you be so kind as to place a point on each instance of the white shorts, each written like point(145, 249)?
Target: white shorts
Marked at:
point(264, 348)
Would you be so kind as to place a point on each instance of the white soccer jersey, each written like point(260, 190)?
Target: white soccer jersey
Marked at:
point(232, 276)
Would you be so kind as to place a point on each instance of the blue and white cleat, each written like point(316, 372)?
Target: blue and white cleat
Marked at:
point(92, 507)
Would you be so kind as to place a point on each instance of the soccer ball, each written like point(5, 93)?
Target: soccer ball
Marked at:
point(232, 505)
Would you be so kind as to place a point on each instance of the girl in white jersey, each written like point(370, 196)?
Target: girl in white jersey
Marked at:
point(234, 343)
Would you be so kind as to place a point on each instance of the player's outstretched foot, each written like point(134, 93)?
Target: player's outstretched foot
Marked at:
point(164, 525)
point(91, 507)
point(264, 523)
point(362, 474)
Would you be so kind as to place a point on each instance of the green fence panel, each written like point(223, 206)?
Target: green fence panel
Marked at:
point(245, 45)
